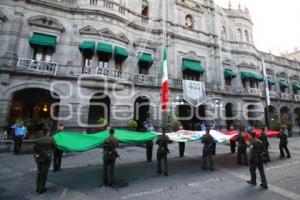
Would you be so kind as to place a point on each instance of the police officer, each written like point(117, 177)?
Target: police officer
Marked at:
point(57, 153)
point(19, 133)
point(109, 157)
point(43, 149)
point(207, 151)
point(242, 147)
point(257, 153)
point(264, 139)
point(283, 144)
point(162, 152)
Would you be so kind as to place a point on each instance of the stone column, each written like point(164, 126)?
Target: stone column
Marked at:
point(4, 113)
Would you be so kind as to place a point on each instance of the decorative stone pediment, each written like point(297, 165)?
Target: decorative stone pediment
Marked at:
point(228, 62)
point(46, 22)
point(190, 4)
point(123, 37)
point(107, 33)
point(3, 16)
point(145, 43)
point(269, 71)
point(88, 30)
point(282, 74)
point(294, 77)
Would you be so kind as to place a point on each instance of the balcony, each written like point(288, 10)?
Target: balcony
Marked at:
point(254, 91)
point(273, 94)
point(285, 96)
point(297, 97)
point(37, 66)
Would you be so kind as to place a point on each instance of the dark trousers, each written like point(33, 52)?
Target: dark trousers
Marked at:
point(108, 171)
point(232, 146)
point(214, 145)
point(207, 159)
point(42, 173)
point(149, 149)
point(181, 148)
point(283, 147)
point(261, 170)
point(267, 154)
point(18, 143)
point(162, 157)
point(57, 157)
point(242, 155)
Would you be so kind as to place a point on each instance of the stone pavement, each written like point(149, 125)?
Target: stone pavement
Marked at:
point(81, 176)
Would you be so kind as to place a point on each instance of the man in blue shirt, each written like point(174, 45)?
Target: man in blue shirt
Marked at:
point(19, 133)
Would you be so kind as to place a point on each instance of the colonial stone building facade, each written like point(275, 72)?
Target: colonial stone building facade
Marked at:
point(67, 58)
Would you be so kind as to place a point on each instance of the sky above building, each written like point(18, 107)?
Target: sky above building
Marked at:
point(276, 23)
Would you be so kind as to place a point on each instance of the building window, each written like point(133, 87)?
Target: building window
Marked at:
point(191, 75)
point(228, 81)
point(93, 2)
point(145, 8)
point(223, 33)
point(189, 21)
point(104, 61)
point(270, 87)
point(42, 53)
point(247, 36)
point(244, 82)
point(282, 89)
point(239, 35)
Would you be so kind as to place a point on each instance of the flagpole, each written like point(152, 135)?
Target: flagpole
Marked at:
point(267, 93)
point(164, 45)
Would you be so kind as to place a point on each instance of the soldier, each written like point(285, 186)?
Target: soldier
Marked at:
point(57, 153)
point(257, 154)
point(109, 157)
point(242, 147)
point(208, 149)
point(43, 149)
point(162, 152)
point(264, 139)
point(283, 144)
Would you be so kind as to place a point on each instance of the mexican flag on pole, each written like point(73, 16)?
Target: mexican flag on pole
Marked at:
point(164, 85)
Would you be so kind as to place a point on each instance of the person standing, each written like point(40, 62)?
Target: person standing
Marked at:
point(162, 152)
point(232, 142)
point(19, 133)
point(242, 147)
point(147, 127)
point(257, 153)
point(181, 145)
point(283, 144)
point(264, 139)
point(57, 153)
point(109, 157)
point(43, 150)
point(207, 151)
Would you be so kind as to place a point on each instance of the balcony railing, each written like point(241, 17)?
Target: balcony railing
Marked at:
point(273, 94)
point(297, 97)
point(38, 66)
point(285, 96)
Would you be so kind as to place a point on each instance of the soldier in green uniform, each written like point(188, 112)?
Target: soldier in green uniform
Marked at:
point(264, 139)
point(43, 149)
point(109, 157)
point(283, 144)
point(162, 152)
point(208, 149)
point(57, 153)
point(242, 147)
point(257, 156)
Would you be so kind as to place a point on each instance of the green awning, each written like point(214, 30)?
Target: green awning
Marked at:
point(229, 73)
point(104, 48)
point(43, 40)
point(121, 52)
point(193, 65)
point(296, 86)
point(271, 82)
point(251, 75)
point(87, 46)
point(77, 142)
point(145, 57)
point(283, 84)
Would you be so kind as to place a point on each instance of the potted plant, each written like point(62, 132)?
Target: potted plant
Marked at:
point(102, 123)
point(132, 124)
point(172, 124)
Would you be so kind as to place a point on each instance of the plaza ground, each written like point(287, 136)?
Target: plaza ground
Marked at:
point(81, 176)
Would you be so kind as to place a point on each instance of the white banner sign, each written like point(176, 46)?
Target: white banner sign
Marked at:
point(194, 92)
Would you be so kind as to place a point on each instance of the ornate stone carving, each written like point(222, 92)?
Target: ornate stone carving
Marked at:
point(3, 16)
point(123, 37)
point(88, 30)
point(107, 33)
point(46, 22)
